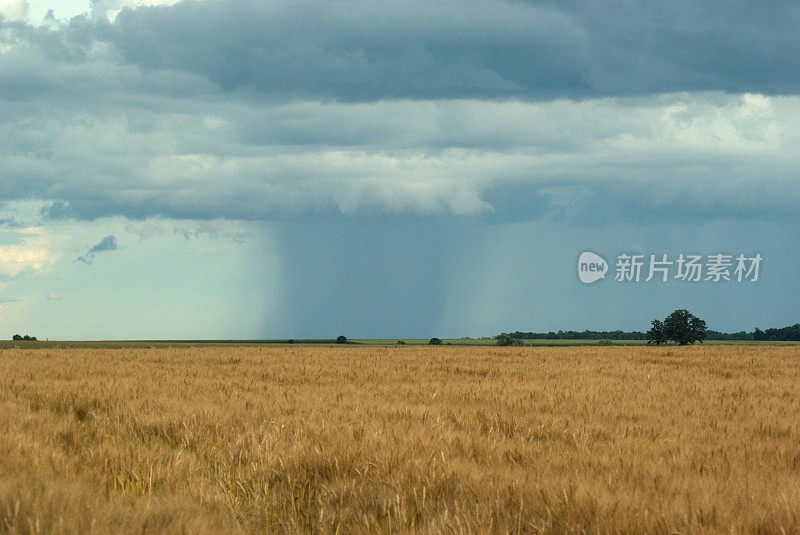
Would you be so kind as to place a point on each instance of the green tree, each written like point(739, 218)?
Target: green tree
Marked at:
point(656, 335)
point(505, 339)
point(341, 339)
point(435, 341)
point(685, 328)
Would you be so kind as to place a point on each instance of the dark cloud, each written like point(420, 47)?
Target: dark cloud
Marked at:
point(369, 51)
point(267, 111)
point(109, 243)
point(356, 51)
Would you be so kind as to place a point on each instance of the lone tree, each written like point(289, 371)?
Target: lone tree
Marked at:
point(341, 339)
point(681, 326)
point(435, 341)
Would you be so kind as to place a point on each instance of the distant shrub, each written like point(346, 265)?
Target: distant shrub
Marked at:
point(401, 343)
point(604, 343)
point(505, 339)
point(341, 339)
point(435, 341)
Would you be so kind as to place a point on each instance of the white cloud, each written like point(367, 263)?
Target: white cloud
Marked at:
point(63, 10)
point(32, 253)
point(111, 8)
point(14, 10)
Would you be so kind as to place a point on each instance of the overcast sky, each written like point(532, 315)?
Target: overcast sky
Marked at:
point(251, 169)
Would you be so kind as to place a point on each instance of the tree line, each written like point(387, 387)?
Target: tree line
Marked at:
point(788, 334)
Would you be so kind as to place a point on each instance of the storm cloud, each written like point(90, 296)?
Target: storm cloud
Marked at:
point(364, 51)
point(266, 111)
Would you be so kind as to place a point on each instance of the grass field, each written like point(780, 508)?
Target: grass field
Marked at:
point(353, 439)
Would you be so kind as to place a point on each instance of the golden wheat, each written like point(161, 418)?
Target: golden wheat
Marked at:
point(426, 440)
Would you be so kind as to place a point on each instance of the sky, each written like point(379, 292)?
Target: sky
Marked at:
point(250, 169)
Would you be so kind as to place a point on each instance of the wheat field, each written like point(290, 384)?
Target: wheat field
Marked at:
point(353, 439)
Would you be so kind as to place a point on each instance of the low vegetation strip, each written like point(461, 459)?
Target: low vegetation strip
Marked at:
point(357, 439)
